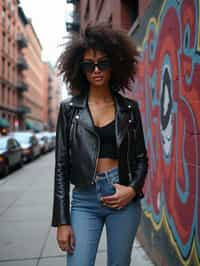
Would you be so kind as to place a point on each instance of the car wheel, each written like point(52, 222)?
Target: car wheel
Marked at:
point(21, 163)
point(6, 169)
point(32, 157)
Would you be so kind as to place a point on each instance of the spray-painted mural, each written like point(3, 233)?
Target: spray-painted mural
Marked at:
point(168, 90)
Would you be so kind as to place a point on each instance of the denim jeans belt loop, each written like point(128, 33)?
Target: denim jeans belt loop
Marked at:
point(97, 177)
point(107, 177)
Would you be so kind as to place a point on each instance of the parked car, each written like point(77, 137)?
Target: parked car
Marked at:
point(43, 141)
point(29, 143)
point(53, 136)
point(50, 140)
point(10, 154)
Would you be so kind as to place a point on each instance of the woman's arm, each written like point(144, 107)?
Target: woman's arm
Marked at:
point(139, 164)
point(61, 214)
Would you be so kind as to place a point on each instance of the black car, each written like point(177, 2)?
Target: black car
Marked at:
point(29, 143)
point(49, 139)
point(43, 141)
point(10, 154)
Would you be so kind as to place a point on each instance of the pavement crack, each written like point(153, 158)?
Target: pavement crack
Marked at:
point(31, 258)
point(43, 246)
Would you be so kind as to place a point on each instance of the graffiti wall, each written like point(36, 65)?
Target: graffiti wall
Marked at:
point(168, 90)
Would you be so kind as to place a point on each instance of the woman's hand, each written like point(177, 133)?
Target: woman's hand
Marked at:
point(65, 238)
point(122, 196)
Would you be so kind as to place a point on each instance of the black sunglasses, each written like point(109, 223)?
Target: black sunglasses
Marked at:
point(89, 66)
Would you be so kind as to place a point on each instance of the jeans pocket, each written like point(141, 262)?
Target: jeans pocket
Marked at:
point(104, 188)
point(114, 179)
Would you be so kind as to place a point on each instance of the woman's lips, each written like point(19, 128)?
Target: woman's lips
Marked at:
point(97, 78)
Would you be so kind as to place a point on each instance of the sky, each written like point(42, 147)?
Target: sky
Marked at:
point(48, 19)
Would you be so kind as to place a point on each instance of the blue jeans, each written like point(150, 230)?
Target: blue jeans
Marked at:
point(88, 216)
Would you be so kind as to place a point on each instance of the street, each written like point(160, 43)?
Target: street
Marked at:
point(26, 236)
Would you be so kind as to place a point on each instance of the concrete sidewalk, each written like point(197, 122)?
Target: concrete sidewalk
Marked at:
point(26, 237)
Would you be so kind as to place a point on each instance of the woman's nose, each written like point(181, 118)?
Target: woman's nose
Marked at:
point(96, 69)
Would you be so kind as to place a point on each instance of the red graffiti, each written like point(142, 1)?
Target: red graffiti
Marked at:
point(171, 118)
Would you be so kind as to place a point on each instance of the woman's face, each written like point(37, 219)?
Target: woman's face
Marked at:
point(98, 75)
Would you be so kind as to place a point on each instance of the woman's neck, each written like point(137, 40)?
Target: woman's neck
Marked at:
point(100, 94)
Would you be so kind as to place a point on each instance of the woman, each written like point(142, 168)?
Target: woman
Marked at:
point(100, 149)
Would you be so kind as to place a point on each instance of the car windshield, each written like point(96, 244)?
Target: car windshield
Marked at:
point(40, 137)
point(23, 138)
point(3, 144)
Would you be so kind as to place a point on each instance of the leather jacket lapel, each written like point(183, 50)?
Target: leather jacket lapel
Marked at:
point(86, 120)
point(122, 115)
point(83, 117)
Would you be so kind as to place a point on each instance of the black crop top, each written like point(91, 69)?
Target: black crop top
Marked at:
point(108, 141)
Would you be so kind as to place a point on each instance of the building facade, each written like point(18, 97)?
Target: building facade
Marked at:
point(45, 84)
point(22, 68)
point(33, 97)
point(119, 13)
point(8, 64)
point(54, 97)
point(51, 96)
point(29, 88)
point(166, 87)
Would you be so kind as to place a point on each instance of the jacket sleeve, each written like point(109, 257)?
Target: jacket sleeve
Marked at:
point(61, 181)
point(139, 163)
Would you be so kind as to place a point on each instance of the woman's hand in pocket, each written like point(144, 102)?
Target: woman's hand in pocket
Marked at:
point(122, 196)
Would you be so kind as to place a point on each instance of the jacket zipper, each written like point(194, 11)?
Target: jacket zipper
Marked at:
point(128, 163)
point(98, 151)
point(128, 151)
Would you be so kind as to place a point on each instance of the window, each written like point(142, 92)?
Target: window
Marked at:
point(3, 66)
point(9, 68)
point(13, 98)
point(3, 14)
point(87, 10)
point(129, 13)
point(11, 144)
point(110, 20)
point(16, 143)
point(13, 50)
point(8, 96)
point(8, 47)
point(13, 75)
point(3, 40)
point(3, 94)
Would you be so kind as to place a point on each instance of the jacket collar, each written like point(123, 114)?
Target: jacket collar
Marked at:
point(123, 106)
point(122, 103)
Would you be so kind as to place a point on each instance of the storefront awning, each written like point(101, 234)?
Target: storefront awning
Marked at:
point(33, 124)
point(4, 122)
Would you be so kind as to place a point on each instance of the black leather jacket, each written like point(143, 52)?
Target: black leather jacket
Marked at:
point(77, 149)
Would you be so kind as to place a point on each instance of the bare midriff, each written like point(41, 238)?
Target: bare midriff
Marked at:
point(105, 164)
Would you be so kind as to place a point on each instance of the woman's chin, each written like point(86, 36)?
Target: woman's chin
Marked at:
point(99, 83)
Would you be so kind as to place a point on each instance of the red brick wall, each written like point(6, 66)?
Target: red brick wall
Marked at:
point(8, 59)
point(45, 92)
point(33, 75)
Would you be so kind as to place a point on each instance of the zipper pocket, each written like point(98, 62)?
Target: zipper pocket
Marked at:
point(128, 151)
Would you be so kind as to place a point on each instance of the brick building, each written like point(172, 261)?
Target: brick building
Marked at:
point(33, 97)
point(24, 83)
point(51, 96)
point(122, 14)
point(45, 84)
point(8, 63)
point(22, 67)
point(54, 97)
